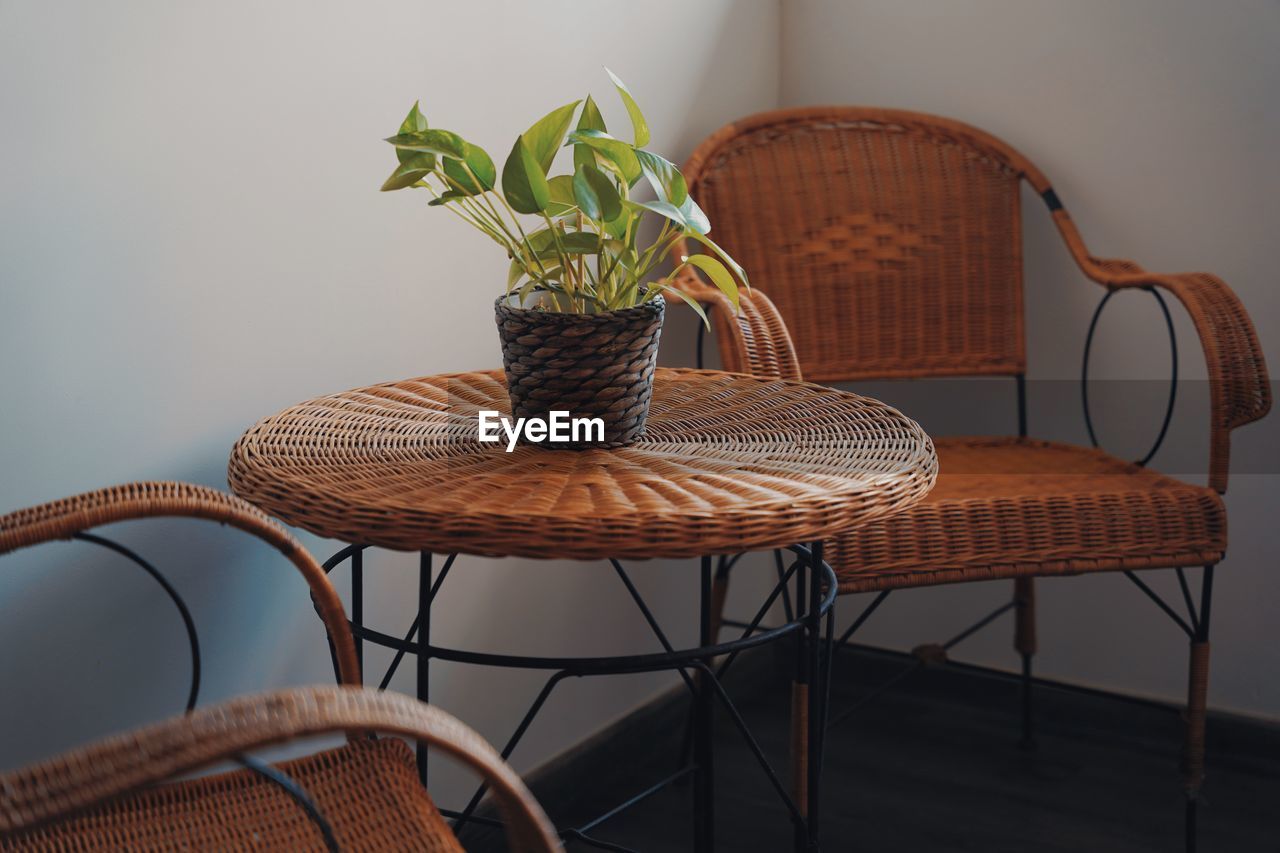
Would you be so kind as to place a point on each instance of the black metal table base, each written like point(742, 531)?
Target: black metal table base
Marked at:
point(701, 668)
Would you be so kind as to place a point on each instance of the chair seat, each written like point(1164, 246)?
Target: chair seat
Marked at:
point(1008, 507)
point(368, 790)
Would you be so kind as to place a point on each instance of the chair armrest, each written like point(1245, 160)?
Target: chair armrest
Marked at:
point(753, 339)
point(1239, 385)
point(62, 518)
point(116, 766)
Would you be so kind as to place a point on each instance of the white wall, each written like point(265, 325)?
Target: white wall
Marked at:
point(1155, 120)
point(191, 238)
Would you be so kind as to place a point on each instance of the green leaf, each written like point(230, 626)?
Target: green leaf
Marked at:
point(589, 120)
point(664, 208)
point(688, 215)
point(416, 161)
point(580, 242)
point(571, 243)
point(562, 200)
point(518, 270)
point(523, 181)
point(546, 134)
point(718, 274)
point(540, 239)
point(415, 121)
point(621, 256)
point(617, 152)
point(440, 142)
point(534, 284)
point(446, 197)
point(480, 164)
point(640, 126)
point(408, 174)
point(694, 217)
point(665, 178)
point(617, 227)
point(526, 290)
point(693, 303)
point(596, 194)
point(723, 255)
point(543, 243)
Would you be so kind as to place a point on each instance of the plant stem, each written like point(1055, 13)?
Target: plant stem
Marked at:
point(658, 256)
point(516, 219)
point(582, 274)
point(607, 276)
point(469, 218)
point(565, 264)
point(524, 239)
point(485, 195)
point(467, 200)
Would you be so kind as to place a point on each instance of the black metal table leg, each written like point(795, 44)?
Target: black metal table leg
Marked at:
point(813, 604)
point(424, 646)
point(703, 752)
point(817, 694)
point(800, 722)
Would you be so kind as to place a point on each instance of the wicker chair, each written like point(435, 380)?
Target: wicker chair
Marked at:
point(891, 242)
point(363, 795)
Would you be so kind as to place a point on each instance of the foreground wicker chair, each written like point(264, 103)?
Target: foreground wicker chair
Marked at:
point(364, 795)
point(891, 242)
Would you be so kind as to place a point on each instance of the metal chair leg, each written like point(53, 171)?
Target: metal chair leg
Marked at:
point(800, 760)
point(1197, 705)
point(1024, 640)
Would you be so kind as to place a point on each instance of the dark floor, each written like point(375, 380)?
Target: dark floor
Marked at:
point(931, 765)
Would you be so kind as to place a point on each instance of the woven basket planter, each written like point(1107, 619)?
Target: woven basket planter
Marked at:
point(590, 365)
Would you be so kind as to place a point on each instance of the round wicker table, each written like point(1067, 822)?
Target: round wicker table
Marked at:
point(728, 464)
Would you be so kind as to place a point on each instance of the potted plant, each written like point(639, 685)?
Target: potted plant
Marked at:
point(582, 313)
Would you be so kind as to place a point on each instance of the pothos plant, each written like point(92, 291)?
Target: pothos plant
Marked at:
point(583, 248)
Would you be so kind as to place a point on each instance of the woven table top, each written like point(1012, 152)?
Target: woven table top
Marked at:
point(728, 463)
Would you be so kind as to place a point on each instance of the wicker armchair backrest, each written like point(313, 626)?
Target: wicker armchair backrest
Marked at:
point(889, 240)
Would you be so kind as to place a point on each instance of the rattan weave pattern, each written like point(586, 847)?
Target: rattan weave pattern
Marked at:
point(892, 241)
point(728, 463)
point(369, 793)
point(1009, 507)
